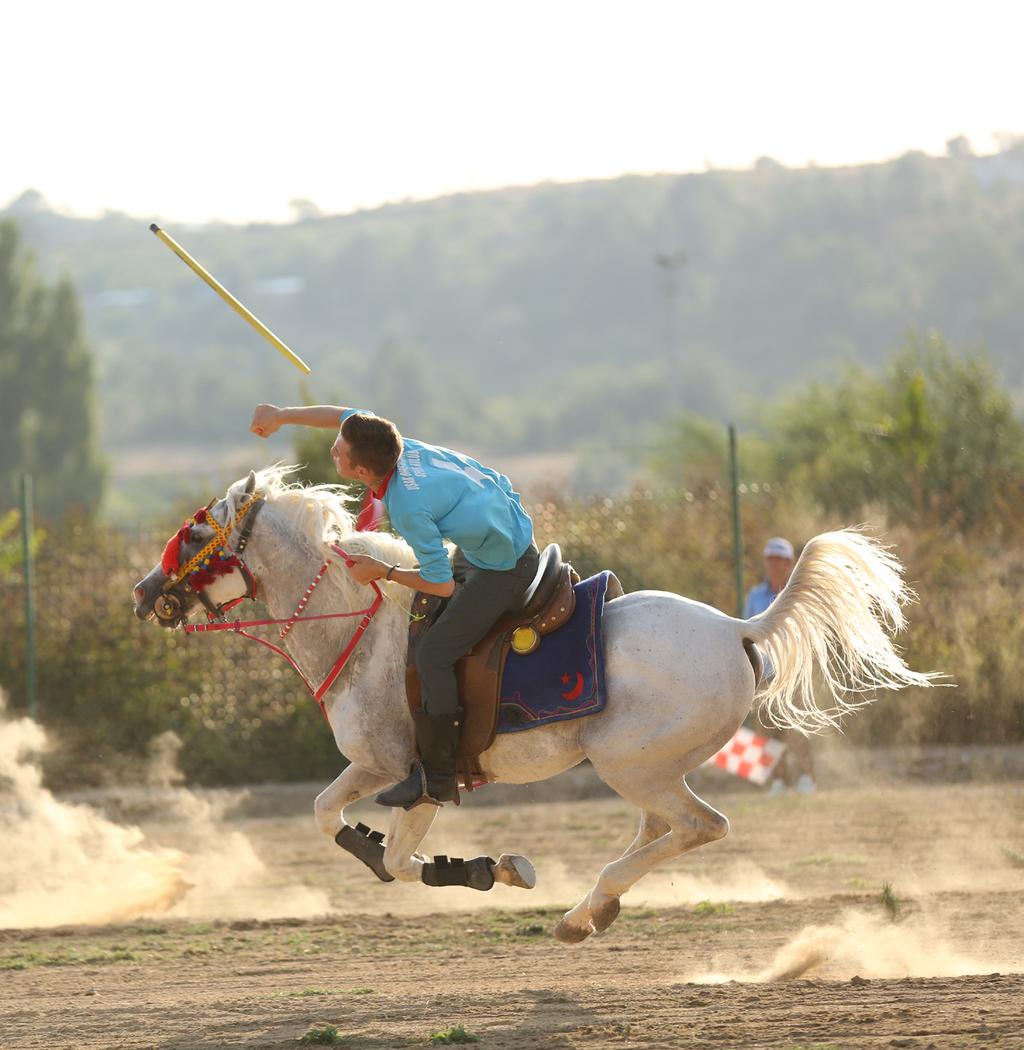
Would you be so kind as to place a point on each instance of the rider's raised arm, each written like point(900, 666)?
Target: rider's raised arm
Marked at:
point(266, 419)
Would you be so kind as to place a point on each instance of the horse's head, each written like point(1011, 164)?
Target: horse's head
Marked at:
point(201, 564)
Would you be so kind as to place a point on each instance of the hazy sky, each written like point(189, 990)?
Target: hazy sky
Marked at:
point(223, 109)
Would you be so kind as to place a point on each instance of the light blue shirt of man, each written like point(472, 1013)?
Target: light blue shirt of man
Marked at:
point(778, 564)
point(759, 598)
point(435, 494)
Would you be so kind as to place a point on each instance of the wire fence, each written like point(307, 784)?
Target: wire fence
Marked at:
point(118, 681)
point(672, 540)
point(108, 683)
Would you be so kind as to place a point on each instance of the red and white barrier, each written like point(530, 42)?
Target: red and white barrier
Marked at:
point(749, 755)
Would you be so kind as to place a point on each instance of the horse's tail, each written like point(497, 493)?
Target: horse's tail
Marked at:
point(828, 628)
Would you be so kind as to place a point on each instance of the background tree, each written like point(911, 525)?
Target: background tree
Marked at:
point(46, 391)
point(934, 441)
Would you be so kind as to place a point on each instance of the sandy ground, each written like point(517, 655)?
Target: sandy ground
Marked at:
point(773, 937)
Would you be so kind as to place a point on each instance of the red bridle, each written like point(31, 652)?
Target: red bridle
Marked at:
point(237, 626)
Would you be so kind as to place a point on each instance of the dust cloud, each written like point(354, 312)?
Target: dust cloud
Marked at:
point(64, 863)
point(743, 882)
point(862, 944)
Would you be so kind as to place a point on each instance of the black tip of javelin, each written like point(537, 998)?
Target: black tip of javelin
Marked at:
point(153, 226)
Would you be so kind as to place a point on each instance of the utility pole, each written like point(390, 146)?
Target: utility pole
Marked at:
point(27, 528)
point(737, 522)
point(670, 265)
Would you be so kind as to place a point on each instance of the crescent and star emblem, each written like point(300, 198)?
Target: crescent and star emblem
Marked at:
point(577, 689)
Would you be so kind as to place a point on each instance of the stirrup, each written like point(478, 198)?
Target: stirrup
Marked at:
point(398, 794)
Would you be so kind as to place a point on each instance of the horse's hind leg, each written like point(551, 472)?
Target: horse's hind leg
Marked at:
point(651, 827)
point(689, 822)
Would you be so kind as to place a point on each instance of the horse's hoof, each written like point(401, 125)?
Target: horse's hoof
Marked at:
point(513, 870)
point(567, 933)
point(605, 914)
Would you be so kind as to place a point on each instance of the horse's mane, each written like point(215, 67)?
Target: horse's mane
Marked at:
point(318, 515)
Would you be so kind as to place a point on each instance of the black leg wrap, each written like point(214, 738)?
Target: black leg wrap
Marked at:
point(368, 846)
point(477, 874)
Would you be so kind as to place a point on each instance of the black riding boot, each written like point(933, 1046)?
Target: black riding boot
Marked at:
point(432, 776)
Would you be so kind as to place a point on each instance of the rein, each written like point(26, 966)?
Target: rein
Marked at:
point(318, 693)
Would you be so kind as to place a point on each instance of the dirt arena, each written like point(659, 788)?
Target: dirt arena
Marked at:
point(252, 929)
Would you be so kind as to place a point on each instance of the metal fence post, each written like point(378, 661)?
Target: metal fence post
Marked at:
point(27, 530)
point(737, 528)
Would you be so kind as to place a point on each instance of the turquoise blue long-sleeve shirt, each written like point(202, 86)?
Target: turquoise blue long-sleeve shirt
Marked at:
point(436, 494)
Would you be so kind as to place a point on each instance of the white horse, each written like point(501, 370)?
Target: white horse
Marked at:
point(679, 679)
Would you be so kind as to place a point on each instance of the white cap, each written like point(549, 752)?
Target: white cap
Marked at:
point(777, 547)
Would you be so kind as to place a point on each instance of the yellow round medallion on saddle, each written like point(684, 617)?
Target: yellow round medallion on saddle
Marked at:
point(524, 640)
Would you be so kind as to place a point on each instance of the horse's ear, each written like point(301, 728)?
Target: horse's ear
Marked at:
point(250, 484)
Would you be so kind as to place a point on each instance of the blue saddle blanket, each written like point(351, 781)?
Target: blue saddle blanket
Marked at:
point(564, 677)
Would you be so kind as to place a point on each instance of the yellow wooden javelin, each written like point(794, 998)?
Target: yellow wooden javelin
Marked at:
point(230, 299)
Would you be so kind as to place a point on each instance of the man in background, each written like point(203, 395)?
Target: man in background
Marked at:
point(796, 766)
point(778, 565)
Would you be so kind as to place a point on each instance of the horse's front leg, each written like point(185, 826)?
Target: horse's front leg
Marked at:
point(362, 842)
point(404, 836)
point(408, 827)
point(353, 784)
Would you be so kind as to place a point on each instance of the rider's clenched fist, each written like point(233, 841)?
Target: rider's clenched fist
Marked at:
point(265, 420)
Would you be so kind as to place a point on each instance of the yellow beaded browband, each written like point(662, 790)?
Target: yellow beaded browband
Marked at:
point(216, 546)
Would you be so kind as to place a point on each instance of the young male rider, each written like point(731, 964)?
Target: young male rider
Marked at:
point(431, 494)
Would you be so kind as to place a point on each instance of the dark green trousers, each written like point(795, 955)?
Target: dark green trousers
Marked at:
point(480, 598)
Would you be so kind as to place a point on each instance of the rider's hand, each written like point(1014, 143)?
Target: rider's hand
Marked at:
point(364, 568)
point(265, 420)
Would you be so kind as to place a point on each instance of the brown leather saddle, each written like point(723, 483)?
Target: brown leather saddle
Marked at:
point(547, 604)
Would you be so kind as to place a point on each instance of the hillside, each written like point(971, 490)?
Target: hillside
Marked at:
point(538, 318)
